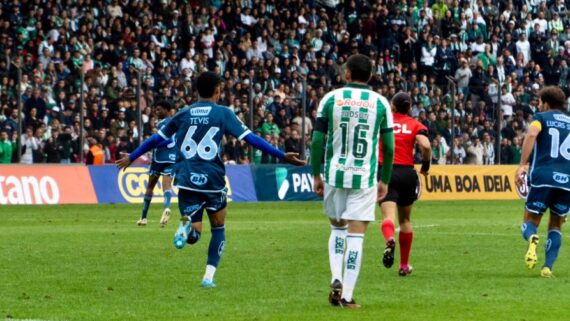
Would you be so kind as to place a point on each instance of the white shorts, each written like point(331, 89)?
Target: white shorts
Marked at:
point(350, 204)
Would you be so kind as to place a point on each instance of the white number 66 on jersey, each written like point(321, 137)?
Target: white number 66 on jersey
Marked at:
point(206, 149)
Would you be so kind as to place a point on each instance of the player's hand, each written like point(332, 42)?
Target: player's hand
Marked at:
point(124, 162)
point(293, 159)
point(318, 185)
point(519, 176)
point(382, 191)
point(424, 170)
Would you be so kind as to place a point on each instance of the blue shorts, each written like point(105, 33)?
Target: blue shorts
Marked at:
point(160, 169)
point(539, 199)
point(193, 203)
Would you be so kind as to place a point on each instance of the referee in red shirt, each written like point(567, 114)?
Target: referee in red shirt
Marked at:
point(404, 185)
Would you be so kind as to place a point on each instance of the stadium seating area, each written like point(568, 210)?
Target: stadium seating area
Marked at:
point(498, 53)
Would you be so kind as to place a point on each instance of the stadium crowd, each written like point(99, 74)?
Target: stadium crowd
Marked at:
point(498, 53)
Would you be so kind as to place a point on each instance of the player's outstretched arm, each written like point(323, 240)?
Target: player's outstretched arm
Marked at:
point(425, 148)
point(259, 143)
point(527, 146)
point(149, 144)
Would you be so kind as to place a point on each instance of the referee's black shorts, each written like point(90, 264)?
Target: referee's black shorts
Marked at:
point(404, 185)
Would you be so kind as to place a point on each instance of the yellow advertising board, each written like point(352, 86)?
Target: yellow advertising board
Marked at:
point(471, 182)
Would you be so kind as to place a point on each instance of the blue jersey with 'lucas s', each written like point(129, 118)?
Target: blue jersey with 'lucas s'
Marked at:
point(550, 165)
point(198, 131)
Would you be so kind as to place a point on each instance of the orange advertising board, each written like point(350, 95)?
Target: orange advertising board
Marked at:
point(44, 184)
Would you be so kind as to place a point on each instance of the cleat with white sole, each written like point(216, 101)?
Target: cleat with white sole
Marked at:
point(142, 222)
point(165, 217)
point(208, 284)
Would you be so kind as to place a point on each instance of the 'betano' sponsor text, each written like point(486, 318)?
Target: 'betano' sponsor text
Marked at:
point(28, 190)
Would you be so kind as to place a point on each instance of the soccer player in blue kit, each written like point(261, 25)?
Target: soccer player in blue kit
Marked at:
point(548, 138)
point(198, 131)
point(163, 159)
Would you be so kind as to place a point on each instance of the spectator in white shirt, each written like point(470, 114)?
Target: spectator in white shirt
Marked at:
point(523, 47)
point(508, 102)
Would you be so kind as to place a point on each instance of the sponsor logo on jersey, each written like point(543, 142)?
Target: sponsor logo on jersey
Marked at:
point(352, 169)
point(522, 190)
point(198, 179)
point(560, 177)
point(200, 111)
point(190, 210)
point(539, 205)
point(401, 128)
point(561, 117)
point(355, 103)
point(561, 208)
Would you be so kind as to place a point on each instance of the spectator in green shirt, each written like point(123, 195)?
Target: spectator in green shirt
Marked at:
point(7, 148)
point(269, 127)
point(516, 150)
point(440, 7)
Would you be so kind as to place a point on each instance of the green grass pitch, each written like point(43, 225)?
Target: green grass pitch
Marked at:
point(94, 263)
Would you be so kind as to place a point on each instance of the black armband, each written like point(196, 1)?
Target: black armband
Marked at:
point(322, 125)
point(425, 166)
point(423, 132)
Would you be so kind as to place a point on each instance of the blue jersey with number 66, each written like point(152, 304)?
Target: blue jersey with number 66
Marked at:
point(198, 131)
point(550, 165)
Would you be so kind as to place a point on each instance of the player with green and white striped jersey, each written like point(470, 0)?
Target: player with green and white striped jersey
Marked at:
point(353, 118)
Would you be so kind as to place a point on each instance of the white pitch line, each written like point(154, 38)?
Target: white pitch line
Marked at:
point(26, 320)
point(420, 226)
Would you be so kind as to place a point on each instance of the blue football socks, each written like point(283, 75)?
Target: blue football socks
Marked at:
point(528, 228)
point(216, 247)
point(552, 247)
point(146, 205)
point(167, 197)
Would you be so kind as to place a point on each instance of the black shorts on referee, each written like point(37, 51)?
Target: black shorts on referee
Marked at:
point(404, 185)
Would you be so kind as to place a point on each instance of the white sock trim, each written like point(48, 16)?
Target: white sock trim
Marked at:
point(210, 271)
point(555, 231)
